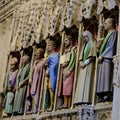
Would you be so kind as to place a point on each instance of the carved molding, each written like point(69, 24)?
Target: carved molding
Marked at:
point(8, 8)
point(83, 112)
point(4, 2)
point(116, 78)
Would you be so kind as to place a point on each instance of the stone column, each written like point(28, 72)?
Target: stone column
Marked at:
point(116, 84)
point(116, 79)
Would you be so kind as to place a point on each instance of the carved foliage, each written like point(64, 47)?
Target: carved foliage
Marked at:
point(108, 4)
point(104, 116)
point(86, 9)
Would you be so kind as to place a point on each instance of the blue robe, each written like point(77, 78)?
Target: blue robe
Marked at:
point(53, 62)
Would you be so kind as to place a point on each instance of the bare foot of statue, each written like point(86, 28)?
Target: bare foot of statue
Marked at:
point(29, 112)
point(50, 109)
point(63, 106)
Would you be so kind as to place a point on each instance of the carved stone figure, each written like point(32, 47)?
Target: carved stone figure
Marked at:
point(21, 86)
point(85, 80)
point(105, 66)
point(35, 80)
point(52, 68)
point(10, 78)
point(67, 71)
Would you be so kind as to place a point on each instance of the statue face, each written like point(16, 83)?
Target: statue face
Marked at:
point(107, 24)
point(12, 66)
point(86, 38)
point(39, 53)
point(25, 59)
point(14, 62)
point(50, 46)
point(67, 41)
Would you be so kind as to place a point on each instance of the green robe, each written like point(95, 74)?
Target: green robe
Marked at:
point(9, 104)
point(20, 96)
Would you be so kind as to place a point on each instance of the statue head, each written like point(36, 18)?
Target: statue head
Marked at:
point(87, 35)
point(109, 24)
point(51, 45)
point(14, 63)
point(25, 59)
point(39, 53)
point(67, 41)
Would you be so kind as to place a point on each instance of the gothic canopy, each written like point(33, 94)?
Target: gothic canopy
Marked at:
point(35, 19)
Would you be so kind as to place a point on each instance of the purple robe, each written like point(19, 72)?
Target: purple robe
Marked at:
point(37, 79)
point(10, 79)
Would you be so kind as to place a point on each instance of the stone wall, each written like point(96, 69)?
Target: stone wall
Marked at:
point(5, 37)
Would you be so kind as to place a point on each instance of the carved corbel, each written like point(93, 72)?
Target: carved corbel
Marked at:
point(86, 9)
point(62, 22)
point(108, 4)
point(100, 6)
point(54, 18)
point(69, 15)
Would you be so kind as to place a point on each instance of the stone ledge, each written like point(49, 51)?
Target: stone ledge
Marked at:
point(78, 113)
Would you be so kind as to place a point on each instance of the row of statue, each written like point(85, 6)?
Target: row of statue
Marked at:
point(52, 80)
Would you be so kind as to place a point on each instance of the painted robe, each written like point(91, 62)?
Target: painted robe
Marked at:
point(10, 79)
point(52, 64)
point(66, 84)
point(35, 89)
point(9, 104)
point(20, 96)
point(85, 80)
point(105, 69)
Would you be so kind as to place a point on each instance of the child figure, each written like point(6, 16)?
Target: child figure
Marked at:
point(9, 101)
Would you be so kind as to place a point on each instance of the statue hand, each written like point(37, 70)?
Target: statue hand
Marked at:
point(20, 84)
point(100, 59)
point(11, 103)
point(64, 64)
point(66, 73)
point(46, 73)
point(101, 39)
point(16, 88)
point(30, 81)
point(82, 65)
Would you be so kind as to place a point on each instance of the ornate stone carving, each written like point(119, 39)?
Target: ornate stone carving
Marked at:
point(62, 23)
point(108, 4)
point(103, 111)
point(86, 9)
point(3, 2)
point(104, 116)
